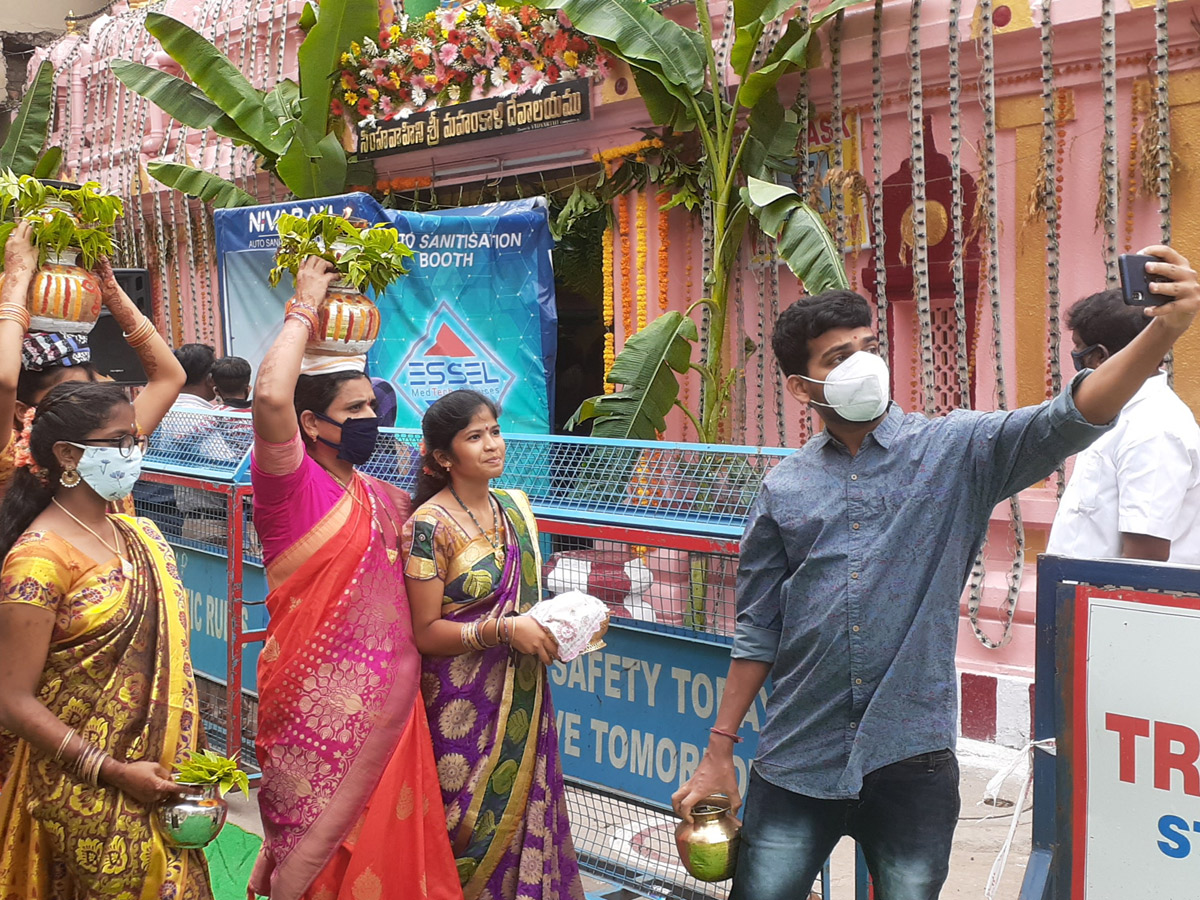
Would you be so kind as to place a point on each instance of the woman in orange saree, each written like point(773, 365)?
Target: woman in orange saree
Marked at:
point(350, 800)
point(96, 680)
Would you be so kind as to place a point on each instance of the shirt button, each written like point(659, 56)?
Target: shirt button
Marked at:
point(855, 629)
point(858, 681)
point(853, 724)
point(854, 478)
point(854, 575)
point(855, 526)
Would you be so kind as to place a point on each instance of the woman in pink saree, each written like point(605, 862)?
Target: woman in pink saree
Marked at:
point(350, 801)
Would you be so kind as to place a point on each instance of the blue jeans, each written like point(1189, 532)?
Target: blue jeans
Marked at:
point(903, 819)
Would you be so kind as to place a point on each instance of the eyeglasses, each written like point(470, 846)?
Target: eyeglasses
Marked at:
point(125, 443)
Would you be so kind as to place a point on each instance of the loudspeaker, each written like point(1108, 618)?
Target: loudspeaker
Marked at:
point(110, 354)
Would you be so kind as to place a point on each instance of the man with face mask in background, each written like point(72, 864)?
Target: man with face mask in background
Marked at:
point(852, 564)
point(1135, 493)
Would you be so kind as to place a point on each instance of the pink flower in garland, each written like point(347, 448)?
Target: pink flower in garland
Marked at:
point(448, 53)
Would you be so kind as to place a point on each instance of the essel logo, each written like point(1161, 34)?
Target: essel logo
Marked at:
point(447, 357)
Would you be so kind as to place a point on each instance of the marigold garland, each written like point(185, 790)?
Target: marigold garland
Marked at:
point(664, 254)
point(610, 353)
point(626, 269)
point(617, 153)
point(643, 210)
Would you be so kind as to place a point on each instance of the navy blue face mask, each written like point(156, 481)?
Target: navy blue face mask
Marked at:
point(1078, 356)
point(358, 438)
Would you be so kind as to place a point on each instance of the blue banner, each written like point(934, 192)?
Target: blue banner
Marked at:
point(477, 309)
point(635, 715)
point(206, 581)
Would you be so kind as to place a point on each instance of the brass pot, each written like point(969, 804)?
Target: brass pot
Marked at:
point(192, 820)
point(708, 846)
point(349, 323)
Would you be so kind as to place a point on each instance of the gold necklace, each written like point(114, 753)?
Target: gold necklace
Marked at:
point(126, 565)
point(497, 546)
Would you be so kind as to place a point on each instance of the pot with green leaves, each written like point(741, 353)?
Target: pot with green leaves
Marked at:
point(365, 257)
point(193, 819)
point(71, 227)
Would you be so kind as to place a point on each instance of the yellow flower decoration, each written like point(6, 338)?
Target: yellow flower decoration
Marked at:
point(347, 59)
point(373, 94)
point(351, 97)
point(355, 48)
point(431, 79)
point(571, 58)
point(394, 32)
point(504, 62)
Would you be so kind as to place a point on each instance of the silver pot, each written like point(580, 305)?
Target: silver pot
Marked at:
point(192, 820)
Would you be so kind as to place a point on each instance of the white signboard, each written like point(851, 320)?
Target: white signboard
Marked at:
point(1137, 785)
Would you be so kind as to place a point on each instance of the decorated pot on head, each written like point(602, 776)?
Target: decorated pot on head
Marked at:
point(708, 845)
point(63, 296)
point(348, 323)
point(192, 820)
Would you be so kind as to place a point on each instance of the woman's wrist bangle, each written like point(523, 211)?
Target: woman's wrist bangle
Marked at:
point(15, 312)
point(303, 315)
point(729, 734)
point(63, 746)
point(141, 333)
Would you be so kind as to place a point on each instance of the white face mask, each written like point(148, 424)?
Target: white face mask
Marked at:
point(858, 389)
point(107, 472)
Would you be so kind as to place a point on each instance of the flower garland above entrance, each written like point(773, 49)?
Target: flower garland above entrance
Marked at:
point(461, 53)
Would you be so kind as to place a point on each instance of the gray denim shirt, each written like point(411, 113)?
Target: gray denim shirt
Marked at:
point(851, 572)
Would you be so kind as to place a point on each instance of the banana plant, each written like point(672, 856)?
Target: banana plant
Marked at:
point(748, 137)
point(288, 127)
point(21, 152)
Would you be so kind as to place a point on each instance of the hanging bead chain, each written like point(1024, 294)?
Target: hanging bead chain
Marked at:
point(1107, 207)
point(1049, 148)
point(688, 287)
point(916, 122)
point(988, 189)
point(962, 357)
point(758, 268)
point(1162, 109)
point(881, 299)
point(836, 193)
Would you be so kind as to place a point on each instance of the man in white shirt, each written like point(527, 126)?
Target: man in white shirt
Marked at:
point(1135, 492)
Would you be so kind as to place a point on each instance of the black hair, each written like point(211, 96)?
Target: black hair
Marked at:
point(1104, 318)
point(197, 361)
point(811, 317)
point(30, 383)
point(316, 393)
point(67, 413)
point(231, 376)
point(442, 422)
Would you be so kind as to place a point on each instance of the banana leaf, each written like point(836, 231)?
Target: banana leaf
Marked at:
point(49, 163)
point(312, 168)
point(198, 183)
point(179, 99)
point(646, 369)
point(27, 133)
point(218, 79)
point(801, 238)
point(771, 136)
point(643, 37)
point(337, 25)
point(283, 100)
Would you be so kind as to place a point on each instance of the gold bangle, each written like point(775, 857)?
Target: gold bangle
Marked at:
point(14, 312)
point(63, 746)
point(141, 334)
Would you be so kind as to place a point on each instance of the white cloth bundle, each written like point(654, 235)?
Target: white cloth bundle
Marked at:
point(577, 620)
point(327, 365)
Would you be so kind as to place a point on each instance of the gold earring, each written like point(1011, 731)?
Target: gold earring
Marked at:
point(70, 478)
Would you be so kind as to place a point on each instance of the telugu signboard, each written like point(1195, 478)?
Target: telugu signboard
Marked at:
point(1136, 791)
point(558, 104)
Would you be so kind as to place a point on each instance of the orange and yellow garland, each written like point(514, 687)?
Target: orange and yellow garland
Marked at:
point(626, 269)
point(610, 341)
point(643, 205)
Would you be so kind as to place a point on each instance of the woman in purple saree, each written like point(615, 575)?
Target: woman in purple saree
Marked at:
point(484, 674)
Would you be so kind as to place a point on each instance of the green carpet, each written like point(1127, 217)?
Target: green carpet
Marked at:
point(230, 860)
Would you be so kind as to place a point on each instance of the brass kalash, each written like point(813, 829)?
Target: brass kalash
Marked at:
point(708, 845)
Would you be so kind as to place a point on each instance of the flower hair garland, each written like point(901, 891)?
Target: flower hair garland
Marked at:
point(22, 457)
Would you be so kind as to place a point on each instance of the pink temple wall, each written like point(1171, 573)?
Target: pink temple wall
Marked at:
point(109, 135)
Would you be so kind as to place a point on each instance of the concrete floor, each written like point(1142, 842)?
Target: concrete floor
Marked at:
point(980, 835)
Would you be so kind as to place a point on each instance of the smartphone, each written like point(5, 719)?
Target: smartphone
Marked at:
point(1136, 281)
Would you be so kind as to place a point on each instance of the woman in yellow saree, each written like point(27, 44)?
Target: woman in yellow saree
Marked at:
point(95, 678)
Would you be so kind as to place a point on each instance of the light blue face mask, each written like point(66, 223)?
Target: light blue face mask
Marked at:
point(858, 389)
point(107, 471)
